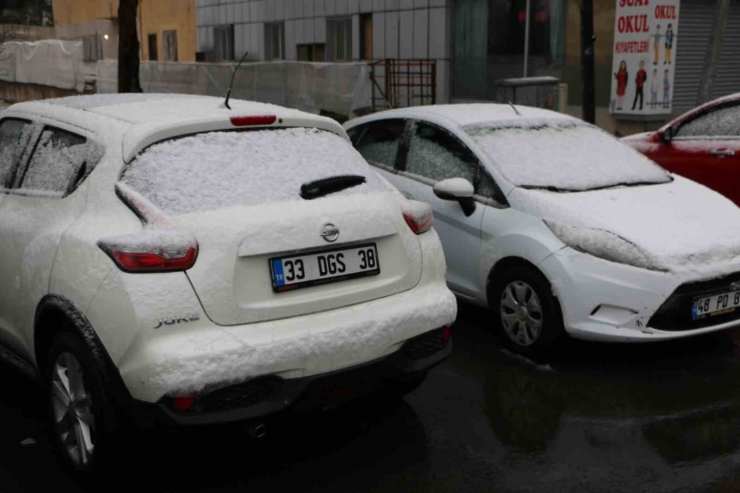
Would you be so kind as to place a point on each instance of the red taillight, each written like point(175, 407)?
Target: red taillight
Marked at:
point(446, 334)
point(418, 215)
point(183, 403)
point(163, 260)
point(246, 121)
point(152, 251)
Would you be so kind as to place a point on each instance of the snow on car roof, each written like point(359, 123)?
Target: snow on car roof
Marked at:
point(472, 113)
point(149, 118)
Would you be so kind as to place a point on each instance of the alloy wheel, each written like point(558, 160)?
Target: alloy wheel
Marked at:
point(521, 313)
point(72, 408)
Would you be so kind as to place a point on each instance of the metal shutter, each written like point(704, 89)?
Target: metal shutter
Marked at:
point(727, 80)
point(695, 25)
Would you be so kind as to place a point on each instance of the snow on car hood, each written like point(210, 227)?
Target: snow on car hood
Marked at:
point(681, 227)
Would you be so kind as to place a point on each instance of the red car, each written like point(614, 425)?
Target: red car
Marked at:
point(702, 145)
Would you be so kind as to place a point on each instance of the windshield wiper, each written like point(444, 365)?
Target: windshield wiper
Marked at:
point(548, 188)
point(633, 184)
point(616, 185)
point(325, 186)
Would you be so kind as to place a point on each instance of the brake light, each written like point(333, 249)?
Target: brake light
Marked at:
point(246, 121)
point(153, 251)
point(418, 216)
point(183, 403)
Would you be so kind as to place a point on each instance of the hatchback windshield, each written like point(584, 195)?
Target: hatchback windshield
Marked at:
point(563, 155)
point(217, 170)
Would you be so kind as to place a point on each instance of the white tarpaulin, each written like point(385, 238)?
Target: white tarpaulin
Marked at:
point(53, 63)
point(339, 88)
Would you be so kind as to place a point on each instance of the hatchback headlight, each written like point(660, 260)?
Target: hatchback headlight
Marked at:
point(602, 244)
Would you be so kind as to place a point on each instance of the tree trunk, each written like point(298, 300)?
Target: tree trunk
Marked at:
point(128, 47)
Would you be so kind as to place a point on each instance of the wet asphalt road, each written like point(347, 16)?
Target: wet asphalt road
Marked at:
point(613, 418)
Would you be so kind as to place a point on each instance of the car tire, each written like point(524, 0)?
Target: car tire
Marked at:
point(526, 313)
point(81, 417)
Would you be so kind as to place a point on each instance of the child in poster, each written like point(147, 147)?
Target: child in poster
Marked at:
point(654, 83)
point(639, 83)
point(666, 89)
point(622, 77)
point(656, 45)
point(668, 44)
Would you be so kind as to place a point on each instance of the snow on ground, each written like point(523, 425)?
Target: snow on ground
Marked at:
point(563, 154)
point(217, 170)
point(682, 227)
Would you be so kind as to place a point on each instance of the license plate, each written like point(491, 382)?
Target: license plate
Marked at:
point(302, 271)
point(718, 304)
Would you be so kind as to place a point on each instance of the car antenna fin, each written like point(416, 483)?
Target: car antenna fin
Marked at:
point(233, 76)
point(514, 108)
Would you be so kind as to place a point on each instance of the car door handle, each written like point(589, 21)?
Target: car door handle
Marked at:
point(722, 152)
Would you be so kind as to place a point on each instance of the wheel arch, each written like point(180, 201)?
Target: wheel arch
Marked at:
point(503, 265)
point(56, 314)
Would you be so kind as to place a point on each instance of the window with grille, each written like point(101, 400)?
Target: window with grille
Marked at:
point(274, 41)
point(311, 52)
point(169, 45)
point(339, 39)
point(152, 45)
point(223, 37)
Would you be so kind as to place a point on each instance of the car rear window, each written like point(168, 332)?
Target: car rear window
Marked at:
point(217, 170)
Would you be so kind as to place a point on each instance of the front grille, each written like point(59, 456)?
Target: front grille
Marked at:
point(674, 315)
point(424, 345)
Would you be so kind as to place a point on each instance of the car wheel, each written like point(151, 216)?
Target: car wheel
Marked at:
point(525, 310)
point(79, 409)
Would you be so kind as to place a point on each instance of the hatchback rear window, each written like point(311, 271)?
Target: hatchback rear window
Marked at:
point(218, 170)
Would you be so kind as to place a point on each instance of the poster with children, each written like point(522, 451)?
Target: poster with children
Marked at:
point(645, 41)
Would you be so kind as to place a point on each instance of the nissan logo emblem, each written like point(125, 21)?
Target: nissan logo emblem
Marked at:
point(330, 232)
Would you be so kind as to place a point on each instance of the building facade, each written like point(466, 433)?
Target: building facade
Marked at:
point(328, 31)
point(166, 28)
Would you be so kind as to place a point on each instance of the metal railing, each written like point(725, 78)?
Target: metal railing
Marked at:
point(403, 83)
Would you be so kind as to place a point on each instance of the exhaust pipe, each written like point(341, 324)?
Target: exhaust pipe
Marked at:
point(257, 430)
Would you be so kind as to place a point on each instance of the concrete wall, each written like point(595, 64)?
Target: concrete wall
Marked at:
point(157, 16)
point(403, 29)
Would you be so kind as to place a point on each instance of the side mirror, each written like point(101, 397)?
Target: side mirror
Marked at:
point(458, 189)
point(666, 135)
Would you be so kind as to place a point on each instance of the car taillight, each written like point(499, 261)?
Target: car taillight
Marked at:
point(246, 121)
point(151, 252)
point(418, 215)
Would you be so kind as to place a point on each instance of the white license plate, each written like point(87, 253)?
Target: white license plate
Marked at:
point(302, 271)
point(718, 304)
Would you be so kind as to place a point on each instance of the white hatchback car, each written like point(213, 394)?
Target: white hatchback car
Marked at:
point(558, 227)
point(165, 257)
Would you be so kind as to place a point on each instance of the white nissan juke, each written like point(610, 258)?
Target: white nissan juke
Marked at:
point(166, 257)
point(560, 228)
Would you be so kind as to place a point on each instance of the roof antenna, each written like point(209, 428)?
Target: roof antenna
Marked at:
point(233, 76)
point(514, 108)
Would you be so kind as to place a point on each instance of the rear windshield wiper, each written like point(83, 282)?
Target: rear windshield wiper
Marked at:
point(325, 186)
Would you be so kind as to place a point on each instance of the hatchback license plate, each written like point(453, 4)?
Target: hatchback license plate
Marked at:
point(302, 271)
point(718, 304)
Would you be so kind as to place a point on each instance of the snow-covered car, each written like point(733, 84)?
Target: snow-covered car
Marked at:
point(167, 258)
point(559, 227)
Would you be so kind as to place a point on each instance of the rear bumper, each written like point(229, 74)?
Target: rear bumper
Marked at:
point(265, 398)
